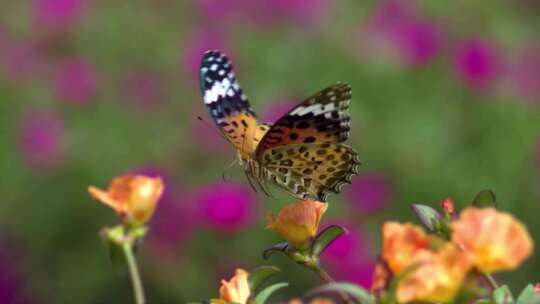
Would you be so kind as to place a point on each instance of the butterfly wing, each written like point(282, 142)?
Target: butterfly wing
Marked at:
point(323, 117)
point(226, 102)
point(303, 151)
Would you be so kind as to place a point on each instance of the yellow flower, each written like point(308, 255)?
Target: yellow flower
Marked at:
point(298, 223)
point(236, 290)
point(133, 197)
point(435, 276)
point(401, 242)
point(495, 240)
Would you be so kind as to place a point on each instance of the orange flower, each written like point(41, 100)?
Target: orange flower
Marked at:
point(495, 240)
point(437, 276)
point(298, 223)
point(133, 197)
point(236, 290)
point(401, 242)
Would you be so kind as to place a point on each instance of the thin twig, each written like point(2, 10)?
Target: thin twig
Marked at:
point(138, 289)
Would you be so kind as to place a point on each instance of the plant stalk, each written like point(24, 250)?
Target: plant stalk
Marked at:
point(328, 279)
point(138, 290)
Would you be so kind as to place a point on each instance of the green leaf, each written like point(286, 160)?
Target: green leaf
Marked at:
point(259, 275)
point(279, 247)
point(502, 295)
point(362, 295)
point(485, 198)
point(326, 237)
point(427, 215)
point(528, 296)
point(262, 296)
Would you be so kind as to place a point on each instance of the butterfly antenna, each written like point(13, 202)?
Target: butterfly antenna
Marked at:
point(212, 127)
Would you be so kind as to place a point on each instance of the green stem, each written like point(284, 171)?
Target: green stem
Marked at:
point(316, 267)
point(134, 273)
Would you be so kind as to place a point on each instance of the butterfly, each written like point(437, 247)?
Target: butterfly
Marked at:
point(302, 152)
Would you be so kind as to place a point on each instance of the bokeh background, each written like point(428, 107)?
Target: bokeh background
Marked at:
point(446, 98)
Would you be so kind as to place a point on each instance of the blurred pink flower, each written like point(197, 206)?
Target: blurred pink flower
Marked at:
point(353, 246)
point(523, 74)
point(350, 257)
point(226, 206)
point(477, 63)
point(58, 14)
point(143, 89)
point(419, 42)
point(275, 110)
point(396, 30)
point(196, 44)
point(76, 81)
point(358, 272)
point(370, 192)
point(41, 136)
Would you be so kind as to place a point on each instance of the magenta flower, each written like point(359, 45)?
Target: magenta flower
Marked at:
point(58, 14)
point(369, 193)
point(419, 42)
point(196, 44)
point(41, 136)
point(226, 207)
point(395, 30)
point(142, 89)
point(358, 272)
point(477, 63)
point(523, 75)
point(353, 246)
point(76, 82)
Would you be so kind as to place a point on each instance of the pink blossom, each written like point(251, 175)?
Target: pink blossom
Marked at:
point(358, 272)
point(76, 82)
point(477, 63)
point(41, 136)
point(58, 14)
point(369, 192)
point(143, 89)
point(395, 30)
point(226, 206)
point(352, 246)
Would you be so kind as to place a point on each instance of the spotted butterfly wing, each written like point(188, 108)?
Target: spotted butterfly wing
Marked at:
point(303, 151)
point(227, 104)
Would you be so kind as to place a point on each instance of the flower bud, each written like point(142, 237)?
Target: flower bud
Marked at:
point(298, 223)
point(133, 197)
point(236, 290)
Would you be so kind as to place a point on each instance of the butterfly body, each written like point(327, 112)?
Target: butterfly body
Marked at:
point(302, 152)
